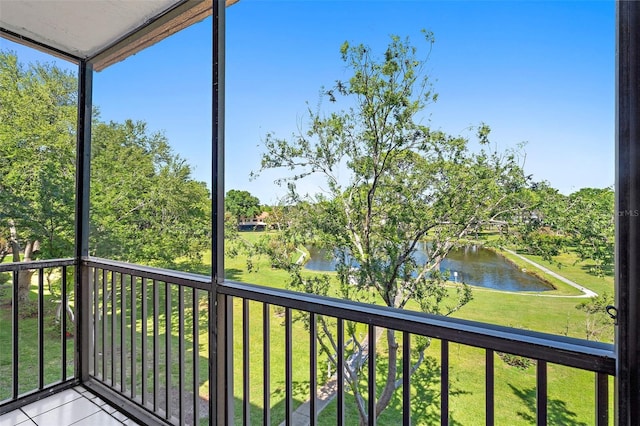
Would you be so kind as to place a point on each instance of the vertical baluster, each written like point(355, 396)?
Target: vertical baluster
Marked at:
point(156, 344)
point(114, 318)
point(167, 342)
point(541, 392)
point(372, 375)
point(406, 379)
point(602, 399)
point(63, 324)
point(143, 331)
point(40, 328)
point(134, 336)
point(195, 309)
point(288, 367)
point(246, 391)
point(313, 368)
point(444, 382)
point(266, 363)
point(340, 372)
point(103, 357)
point(123, 328)
point(96, 319)
point(489, 388)
point(14, 337)
point(181, 357)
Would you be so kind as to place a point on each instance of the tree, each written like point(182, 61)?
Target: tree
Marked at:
point(590, 223)
point(241, 204)
point(37, 165)
point(145, 206)
point(599, 323)
point(391, 184)
point(541, 229)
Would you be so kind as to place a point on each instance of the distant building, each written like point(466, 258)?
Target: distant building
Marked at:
point(256, 223)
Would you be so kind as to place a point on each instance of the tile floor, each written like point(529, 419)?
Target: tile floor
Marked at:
point(75, 406)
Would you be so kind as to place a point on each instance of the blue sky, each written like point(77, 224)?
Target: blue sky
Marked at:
point(539, 72)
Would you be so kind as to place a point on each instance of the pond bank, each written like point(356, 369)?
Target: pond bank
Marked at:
point(585, 291)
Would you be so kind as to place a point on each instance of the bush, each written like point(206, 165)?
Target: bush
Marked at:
point(516, 361)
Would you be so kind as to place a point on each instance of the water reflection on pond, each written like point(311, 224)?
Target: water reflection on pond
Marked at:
point(474, 265)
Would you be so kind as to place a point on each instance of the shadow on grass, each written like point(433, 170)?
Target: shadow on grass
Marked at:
point(591, 269)
point(557, 411)
point(232, 274)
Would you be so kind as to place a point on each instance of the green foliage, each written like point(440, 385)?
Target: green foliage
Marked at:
point(391, 183)
point(582, 221)
point(544, 242)
point(591, 225)
point(37, 163)
point(516, 361)
point(598, 324)
point(241, 204)
point(145, 206)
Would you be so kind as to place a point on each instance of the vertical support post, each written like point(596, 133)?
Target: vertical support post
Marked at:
point(627, 252)
point(83, 162)
point(221, 409)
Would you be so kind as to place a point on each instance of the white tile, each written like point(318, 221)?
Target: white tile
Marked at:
point(118, 415)
point(68, 413)
point(51, 402)
point(130, 422)
point(27, 423)
point(98, 419)
point(108, 408)
point(12, 418)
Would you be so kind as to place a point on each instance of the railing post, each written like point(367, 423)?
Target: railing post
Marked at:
point(83, 161)
point(218, 393)
point(627, 187)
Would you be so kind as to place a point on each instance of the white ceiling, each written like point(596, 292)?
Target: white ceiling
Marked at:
point(81, 28)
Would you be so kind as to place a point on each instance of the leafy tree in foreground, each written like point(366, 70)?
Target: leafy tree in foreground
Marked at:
point(37, 166)
point(392, 186)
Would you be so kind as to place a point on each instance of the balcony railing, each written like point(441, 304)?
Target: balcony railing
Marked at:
point(149, 348)
point(31, 365)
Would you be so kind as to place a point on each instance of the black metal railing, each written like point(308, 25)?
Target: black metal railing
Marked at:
point(36, 330)
point(149, 351)
point(543, 350)
point(148, 348)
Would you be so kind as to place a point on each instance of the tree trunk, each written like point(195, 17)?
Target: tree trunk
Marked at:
point(24, 276)
point(392, 370)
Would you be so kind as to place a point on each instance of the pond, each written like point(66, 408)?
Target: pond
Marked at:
point(472, 264)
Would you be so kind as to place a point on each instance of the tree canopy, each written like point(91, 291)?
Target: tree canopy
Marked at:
point(241, 204)
point(391, 184)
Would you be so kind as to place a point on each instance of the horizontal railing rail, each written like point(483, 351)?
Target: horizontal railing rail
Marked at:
point(577, 353)
point(39, 338)
point(36, 264)
point(187, 279)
